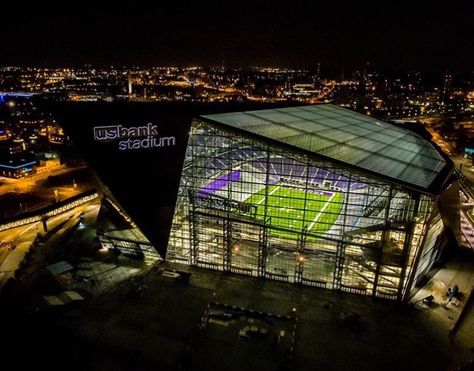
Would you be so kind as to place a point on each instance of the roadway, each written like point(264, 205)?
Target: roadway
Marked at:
point(465, 166)
point(33, 192)
point(445, 146)
point(29, 183)
point(24, 236)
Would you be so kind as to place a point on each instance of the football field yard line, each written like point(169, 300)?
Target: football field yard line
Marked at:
point(316, 218)
point(285, 208)
point(270, 193)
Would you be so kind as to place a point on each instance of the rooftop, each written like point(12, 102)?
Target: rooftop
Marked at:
point(371, 145)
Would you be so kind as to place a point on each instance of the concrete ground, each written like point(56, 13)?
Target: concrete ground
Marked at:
point(458, 271)
point(154, 329)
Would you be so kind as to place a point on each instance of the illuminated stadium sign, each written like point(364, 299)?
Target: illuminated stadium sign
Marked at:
point(134, 137)
point(138, 151)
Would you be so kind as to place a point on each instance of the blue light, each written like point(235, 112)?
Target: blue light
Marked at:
point(19, 166)
point(6, 95)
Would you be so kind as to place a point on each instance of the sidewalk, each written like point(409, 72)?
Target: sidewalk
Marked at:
point(467, 231)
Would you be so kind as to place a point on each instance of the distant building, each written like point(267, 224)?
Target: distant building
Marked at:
point(447, 84)
point(12, 147)
point(46, 165)
point(302, 90)
point(17, 167)
point(4, 133)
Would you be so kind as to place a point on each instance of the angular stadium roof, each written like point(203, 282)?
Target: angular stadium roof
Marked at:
point(363, 142)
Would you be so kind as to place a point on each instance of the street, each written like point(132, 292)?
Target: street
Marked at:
point(24, 236)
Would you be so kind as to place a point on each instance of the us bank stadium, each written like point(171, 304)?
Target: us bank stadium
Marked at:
point(312, 195)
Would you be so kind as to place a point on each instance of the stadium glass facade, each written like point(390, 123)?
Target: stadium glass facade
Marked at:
point(251, 204)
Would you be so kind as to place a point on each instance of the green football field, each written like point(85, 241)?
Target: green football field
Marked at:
point(286, 209)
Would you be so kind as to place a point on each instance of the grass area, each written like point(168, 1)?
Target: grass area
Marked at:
point(286, 208)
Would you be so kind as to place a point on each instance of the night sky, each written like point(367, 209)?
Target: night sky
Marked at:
point(390, 35)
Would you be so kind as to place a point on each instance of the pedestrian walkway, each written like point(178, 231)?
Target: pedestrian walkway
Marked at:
point(459, 271)
point(467, 230)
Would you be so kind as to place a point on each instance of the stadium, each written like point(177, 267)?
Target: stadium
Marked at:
point(314, 195)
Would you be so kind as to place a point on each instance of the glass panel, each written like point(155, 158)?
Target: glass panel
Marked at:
point(246, 207)
point(327, 124)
